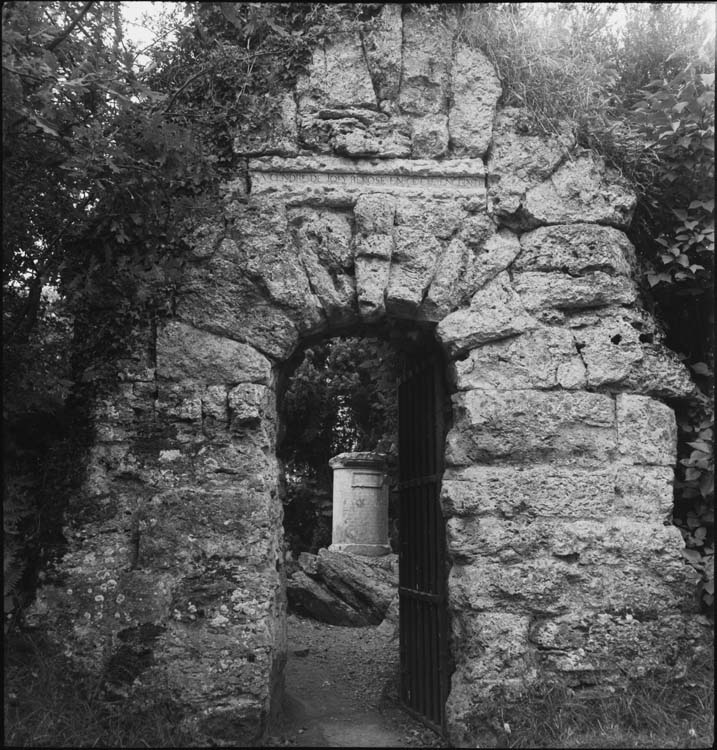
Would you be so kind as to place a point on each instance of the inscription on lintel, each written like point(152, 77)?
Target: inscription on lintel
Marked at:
point(427, 182)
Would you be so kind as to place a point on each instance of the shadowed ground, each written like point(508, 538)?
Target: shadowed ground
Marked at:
point(341, 691)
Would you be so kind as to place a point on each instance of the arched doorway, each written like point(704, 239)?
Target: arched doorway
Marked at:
point(423, 415)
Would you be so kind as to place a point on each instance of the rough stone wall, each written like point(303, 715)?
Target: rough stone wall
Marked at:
point(392, 189)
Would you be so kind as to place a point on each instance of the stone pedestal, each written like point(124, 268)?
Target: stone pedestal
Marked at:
point(360, 513)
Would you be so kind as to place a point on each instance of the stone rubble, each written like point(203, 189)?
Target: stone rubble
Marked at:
point(344, 589)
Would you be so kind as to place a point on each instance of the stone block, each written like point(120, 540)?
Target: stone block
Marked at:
point(500, 635)
point(379, 246)
point(487, 648)
point(429, 136)
point(337, 77)
point(236, 310)
point(531, 425)
point(323, 240)
point(465, 268)
point(494, 256)
point(616, 642)
point(441, 218)
point(445, 294)
point(576, 249)
point(358, 132)
point(243, 458)
point(539, 290)
point(215, 508)
point(479, 583)
point(547, 490)
point(540, 491)
point(313, 132)
point(495, 312)
point(647, 430)
point(374, 214)
point(476, 230)
point(567, 492)
point(214, 402)
point(520, 160)
point(328, 234)
point(644, 491)
point(523, 540)
point(425, 68)
point(181, 401)
point(412, 267)
point(275, 134)
point(475, 90)
point(118, 409)
point(619, 357)
point(372, 274)
point(382, 45)
point(335, 291)
point(387, 141)
point(581, 190)
point(473, 704)
point(262, 236)
point(186, 353)
point(248, 403)
point(545, 358)
point(546, 580)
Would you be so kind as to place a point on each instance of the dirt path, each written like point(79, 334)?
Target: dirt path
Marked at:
point(341, 691)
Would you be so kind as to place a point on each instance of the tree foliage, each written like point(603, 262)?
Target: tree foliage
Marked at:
point(341, 397)
point(95, 184)
point(107, 166)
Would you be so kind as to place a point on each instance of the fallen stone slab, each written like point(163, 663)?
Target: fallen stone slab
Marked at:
point(367, 589)
point(311, 599)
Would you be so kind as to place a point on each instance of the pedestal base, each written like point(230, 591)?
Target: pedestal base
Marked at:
point(368, 550)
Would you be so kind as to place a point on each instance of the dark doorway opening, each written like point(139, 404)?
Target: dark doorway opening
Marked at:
point(421, 417)
point(423, 594)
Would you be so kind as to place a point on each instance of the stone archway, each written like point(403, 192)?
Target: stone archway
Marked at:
point(369, 202)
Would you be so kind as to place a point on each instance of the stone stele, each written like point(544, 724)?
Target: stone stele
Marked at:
point(360, 517)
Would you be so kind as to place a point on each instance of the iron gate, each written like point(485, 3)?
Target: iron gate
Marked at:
point(423, 611)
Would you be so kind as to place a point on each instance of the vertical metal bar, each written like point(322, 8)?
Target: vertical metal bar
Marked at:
point(435, 532)
point(442, 611)
point(425, 607)
point(423, 621)
point(422, 609)
point(401, 539)
point(414, 660)
point(416, 493)
point(430, 707)
point(433, 611)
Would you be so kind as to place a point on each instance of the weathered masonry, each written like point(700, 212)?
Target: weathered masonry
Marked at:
point(391, 192)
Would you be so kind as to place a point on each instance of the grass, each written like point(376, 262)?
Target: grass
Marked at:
point(48, 704)
point(651, 712)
